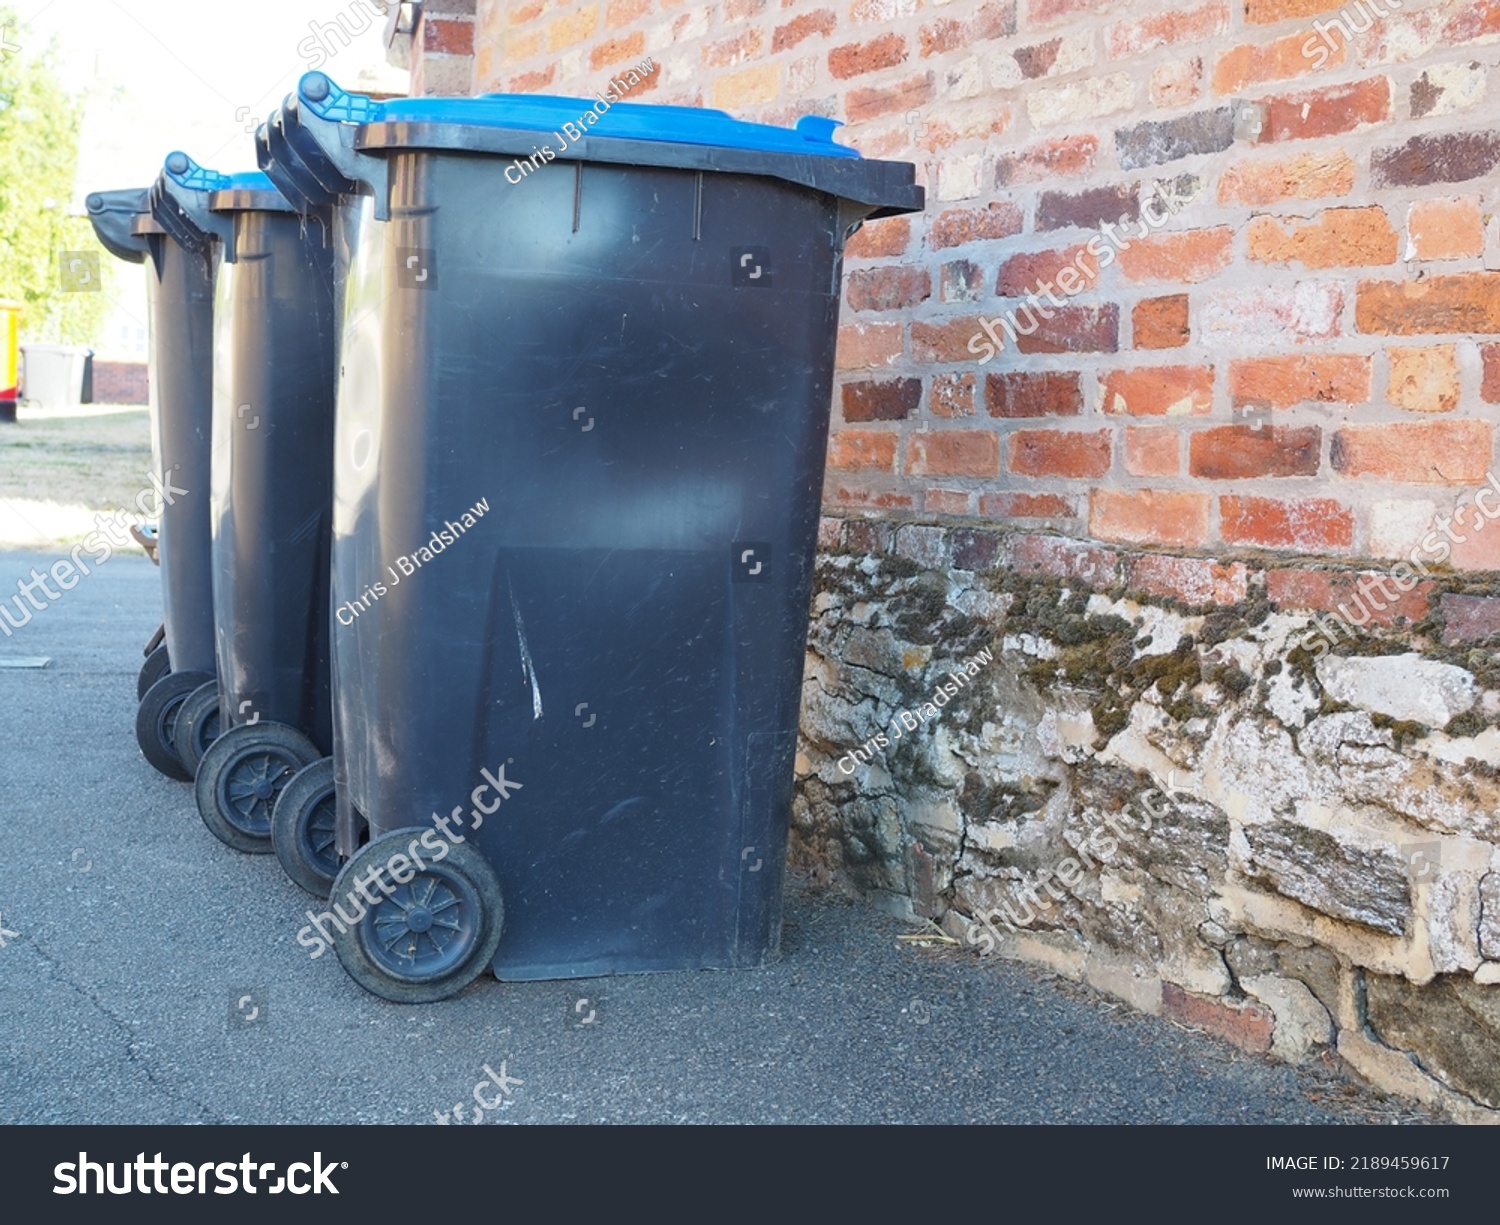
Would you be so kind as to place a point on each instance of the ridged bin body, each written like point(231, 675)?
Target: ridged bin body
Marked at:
point(274, 376)
point(582, 418)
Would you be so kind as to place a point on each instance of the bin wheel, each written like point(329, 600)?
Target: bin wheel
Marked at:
point(156, 721)
point(240, 776)
point(157, 665)
point(197, 725)
point(302, 828)
point(423, 939)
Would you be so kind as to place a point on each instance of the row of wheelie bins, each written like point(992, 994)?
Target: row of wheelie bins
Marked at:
point(504, 422)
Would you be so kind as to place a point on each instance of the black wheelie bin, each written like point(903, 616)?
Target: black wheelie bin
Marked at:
point(586, 369)
point(271, 492)
point(179, 284)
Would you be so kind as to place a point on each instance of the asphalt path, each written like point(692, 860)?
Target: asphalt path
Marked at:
point(149, 974)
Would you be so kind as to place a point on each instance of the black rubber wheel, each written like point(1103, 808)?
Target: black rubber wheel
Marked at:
point(156, 721)
point(422, 939)
point(240, 776)
point(302, 828)
point(197, 725)
point(157, 665)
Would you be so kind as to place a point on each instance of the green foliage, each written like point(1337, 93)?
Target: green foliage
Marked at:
point(39, 129)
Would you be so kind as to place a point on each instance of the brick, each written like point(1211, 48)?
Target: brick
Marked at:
point(830, 533)
point(1152, 451)
point(737, 49)
point(1281, 382)
point(893, 400)
point(962, 280)
point(1324, 591)
point(1489, 387)
point(523, 47)
point(863, 345)
point(1075, 329)
point(747, 87)
point(1419, 453)
point(869, 536)
point(946, 340)
point(1305, 524)
point(620, 12)
point(1249, 1026)
point(1337, 238)
point(447, 37)
point(1281, 315)
point(959, 226)
point(1033, 393)
point(1331, 111)
point(1149, 516)
point(908, 95)
point(1061, 157)
point(1066, 453)
point(532, 82)
point(964, 123)
point(1447, 89)
point(886, 289)
point(1469, 618)
point(1022, 274)
point(1186, 257)
point(1445, 228)
point(1465, 303)
point(1026, 506)
point(1156, 141)
point(953, 453)
point(528, 10)
point(1129, 39)
point(1255, 64)
point(1266, 12)
point(617, 49)
point(736, 10)
point(952, 395)
point(1472, 22)
point(974, 550)
point(1424, 378)
point(1056, 57)
point(1177, 83)
point(1446, 157)
point(1076, 101)
point(946, 501)
point(1087, 209)
point(1160, 323)
point(802, 27)
point(572, 29)
point(1242, 452)
point(856, 59)
point(993, 20)
point(862, 451)
point(1307, 176)
point(1058, 557)
point(860, 498)
point(1158, 391)
point(1194, 580)
point(888, 236)
point(1474, 549)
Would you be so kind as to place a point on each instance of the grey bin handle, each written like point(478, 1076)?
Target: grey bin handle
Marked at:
point(113, 214)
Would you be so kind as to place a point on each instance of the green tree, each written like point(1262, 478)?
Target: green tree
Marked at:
point(39, 127)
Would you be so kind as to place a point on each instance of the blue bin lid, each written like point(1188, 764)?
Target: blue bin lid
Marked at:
point(680, 125)
point(246, 190)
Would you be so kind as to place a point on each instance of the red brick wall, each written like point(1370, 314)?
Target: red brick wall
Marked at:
point(121, 383)
point(1304, 356)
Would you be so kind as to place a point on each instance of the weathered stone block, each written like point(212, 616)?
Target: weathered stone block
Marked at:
point(1451, 1026)
point(1356, 884)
